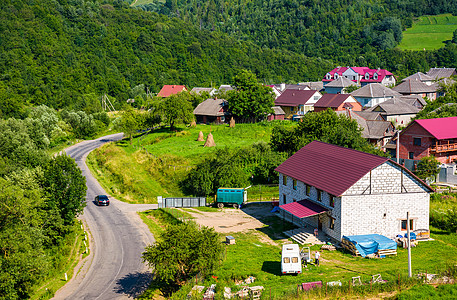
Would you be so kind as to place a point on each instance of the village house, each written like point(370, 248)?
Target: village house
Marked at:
point(425, 137)
point(395, 110)
point(297, 102)
point(337, 102)
point(378, 131)
point(347, 192)
point(201, 90)
point(212, 111)
point(168, 90)
point(361, 75)
point(420, 77)
point(416, 87)
point(338, 86)
point(373, 94)
point(439, 73)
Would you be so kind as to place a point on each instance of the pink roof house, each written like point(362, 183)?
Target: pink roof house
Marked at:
point(361, 75)
point(168, 90)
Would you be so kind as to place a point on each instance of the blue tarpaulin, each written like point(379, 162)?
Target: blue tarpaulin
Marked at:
point(371, 243)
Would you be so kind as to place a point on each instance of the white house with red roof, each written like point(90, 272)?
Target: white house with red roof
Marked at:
point(168, 90)
point(342, 191)
point(361, 75)
point(425, 137)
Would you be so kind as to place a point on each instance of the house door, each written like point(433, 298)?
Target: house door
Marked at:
point(319, 222)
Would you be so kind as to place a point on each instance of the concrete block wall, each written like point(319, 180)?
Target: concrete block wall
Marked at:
point(382, 213)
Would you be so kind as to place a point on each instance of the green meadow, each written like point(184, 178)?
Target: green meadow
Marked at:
point(429, 32)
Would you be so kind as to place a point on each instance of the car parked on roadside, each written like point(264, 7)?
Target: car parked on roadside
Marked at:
point(102, 200)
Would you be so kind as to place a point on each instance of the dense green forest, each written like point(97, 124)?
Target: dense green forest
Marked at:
point(69, 53)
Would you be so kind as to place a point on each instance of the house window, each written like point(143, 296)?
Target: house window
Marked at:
point(375, 76)
point(403, 225)
point(283, 198)
point(308, 190)
point(367, 76)
point(331, 225)
point(294, 200)
point(335, 76)
point(417, 141)
point(319, 195)
point(284, 179)
point(332, 201)
point(294, 184)
point(411, 155)
point(316, 98)
point(328, 76)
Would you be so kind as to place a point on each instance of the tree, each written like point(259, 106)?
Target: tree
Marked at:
point(428, 168)
point(129, 122)
point(65, 186)
point(454, 37)
point(183, 251)
point(251, 99)
point(177, 109)
point(324, 126)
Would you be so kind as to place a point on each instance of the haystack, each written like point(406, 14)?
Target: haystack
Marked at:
point(193, 124)
point(209, 141)
point(232, 122)
point(201, 138)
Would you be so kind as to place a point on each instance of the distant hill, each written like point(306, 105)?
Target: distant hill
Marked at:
point(61, 54)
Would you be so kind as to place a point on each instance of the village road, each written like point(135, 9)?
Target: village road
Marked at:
point(118, 236)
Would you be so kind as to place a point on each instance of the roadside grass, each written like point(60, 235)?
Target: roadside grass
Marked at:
point(155, 163)
point(65, 259)
point(424, 291)
point(429, 32)
point(255, 255)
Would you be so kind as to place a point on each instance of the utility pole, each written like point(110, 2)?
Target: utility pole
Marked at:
point(398, 146)
point(410, 271)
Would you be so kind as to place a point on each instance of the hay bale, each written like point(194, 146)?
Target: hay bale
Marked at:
point(232, 122)
point(200, 138)
point(209, 141)
point(193, 124)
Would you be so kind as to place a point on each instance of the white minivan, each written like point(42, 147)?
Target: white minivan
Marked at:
point(290, 260)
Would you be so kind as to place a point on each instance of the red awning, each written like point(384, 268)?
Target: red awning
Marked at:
point(303, 208)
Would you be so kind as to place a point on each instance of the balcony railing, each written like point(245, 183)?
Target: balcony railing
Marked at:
point(443, 147)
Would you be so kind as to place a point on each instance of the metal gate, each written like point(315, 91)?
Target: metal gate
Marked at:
point(181, 202)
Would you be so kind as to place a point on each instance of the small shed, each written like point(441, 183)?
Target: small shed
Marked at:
point(278, 114)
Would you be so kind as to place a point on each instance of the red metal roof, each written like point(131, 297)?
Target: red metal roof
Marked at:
point(440, 128)
point(330, 168)
point(292, 97)
point(168, 90)
point(331, 100)
point(303, 208)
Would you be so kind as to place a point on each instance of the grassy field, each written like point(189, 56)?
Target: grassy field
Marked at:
point(155, 163)
point(258, 256)
point(429, 32)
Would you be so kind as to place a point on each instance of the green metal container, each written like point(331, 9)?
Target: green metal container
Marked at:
point(231, 196)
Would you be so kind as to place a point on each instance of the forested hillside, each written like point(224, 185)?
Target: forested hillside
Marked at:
point(69, 53)
point(334, 29)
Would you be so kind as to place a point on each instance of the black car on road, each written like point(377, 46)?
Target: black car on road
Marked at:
point(101, 200)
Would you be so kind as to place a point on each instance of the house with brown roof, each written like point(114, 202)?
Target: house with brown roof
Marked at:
point(425, 137)
point(373, 94)
point(439, 73)
point(337, 102)
point(378, 132)
point(297, 102)
point(212, 110)
point(424, 78)
point(416, 87)
point(395, 110)
point(342, 191)
point(168, 90)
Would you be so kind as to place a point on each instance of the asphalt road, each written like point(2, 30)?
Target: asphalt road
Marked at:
point(114, 269)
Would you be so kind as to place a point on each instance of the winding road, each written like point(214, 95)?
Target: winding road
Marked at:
point(118, 236)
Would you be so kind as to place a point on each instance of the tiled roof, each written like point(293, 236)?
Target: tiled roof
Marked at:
point(395, 107)
point(211, 107)
point(277, 110)
point(340, 82)
point(414, 86)
point(294, 97)
point(303, 208)
point(418, 76)
point(331, 100)
point(440, 128)
point(372, 129)
point(330, 168)
point(168, 90)
point(412, 99)
point(199, 90)
point(374, 90)
point(438, 73)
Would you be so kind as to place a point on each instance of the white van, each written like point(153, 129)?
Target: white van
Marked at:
point(290, 260)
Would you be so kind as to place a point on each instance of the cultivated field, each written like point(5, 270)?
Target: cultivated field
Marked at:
point(429, 32)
